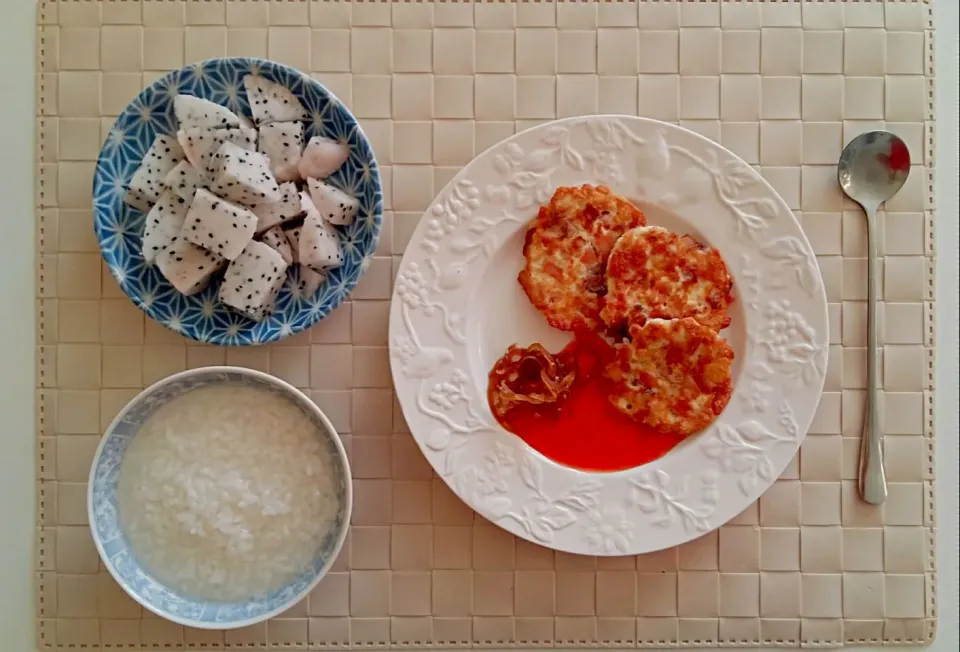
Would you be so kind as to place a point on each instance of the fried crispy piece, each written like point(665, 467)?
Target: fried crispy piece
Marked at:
point(528, 376)
point(653, 273)
point(566, 249)
point(673, 376)
point(563, 275)
point(597, 211)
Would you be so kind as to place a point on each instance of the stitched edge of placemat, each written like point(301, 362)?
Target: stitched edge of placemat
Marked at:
point(44, 181)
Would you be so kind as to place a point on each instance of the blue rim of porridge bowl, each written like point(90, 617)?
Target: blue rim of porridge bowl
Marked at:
point(115, 550)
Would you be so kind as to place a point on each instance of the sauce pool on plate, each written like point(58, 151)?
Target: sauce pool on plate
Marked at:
point(584, 429)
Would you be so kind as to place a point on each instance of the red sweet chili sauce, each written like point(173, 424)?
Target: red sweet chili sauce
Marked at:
point(587, 432)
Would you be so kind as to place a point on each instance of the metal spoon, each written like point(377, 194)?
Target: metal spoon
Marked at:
point(872, 168)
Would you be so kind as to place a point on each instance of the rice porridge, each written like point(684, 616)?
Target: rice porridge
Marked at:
point(227, 492)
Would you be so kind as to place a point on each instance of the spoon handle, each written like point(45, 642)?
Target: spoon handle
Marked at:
point(873, 482)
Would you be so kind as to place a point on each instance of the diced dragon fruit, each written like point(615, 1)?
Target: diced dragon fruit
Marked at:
point(244, 177)
point(282, 143)
point(309, 281)
point(306, 203)
point(277, 241)
point(271, 102)
point(217, 225)
point(195, 112)
point(281, 211)
point(322, 157)
point(304, 282)
point(187, 266)
point(336, 206)
point(319, 244)
point(147, 182)
point(293, 237)
point(184, 179)
point(253, 280)
point(163, 225)
point(201, 145)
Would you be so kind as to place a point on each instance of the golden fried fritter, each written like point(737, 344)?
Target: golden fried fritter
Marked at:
point(597, 211)
point(566, 250)
point(654, 273)
point(673, 376)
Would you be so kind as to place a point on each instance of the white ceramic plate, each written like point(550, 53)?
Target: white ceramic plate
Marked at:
point(457, 305)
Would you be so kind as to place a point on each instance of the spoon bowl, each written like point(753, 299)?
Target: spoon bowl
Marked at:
point(873, 167)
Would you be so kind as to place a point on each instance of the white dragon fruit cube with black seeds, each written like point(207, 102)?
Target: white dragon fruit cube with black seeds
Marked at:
point(272, 102)
point(276, 239)
point(163, 224)
point(334, 205)
point(285, 209)
point(294, 233)
point(218, 226)
point(201, 145)
point(293, 237)
point(147, 183)
point(322, 157)
point(193, 112)
point(306, 204)
point(184, 179)
point(319, 246)
point(252, 281)
point(308, 281)
point(244, 177)
point(188, 267)
point(282, 143)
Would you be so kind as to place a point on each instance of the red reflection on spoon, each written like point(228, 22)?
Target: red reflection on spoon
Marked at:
point(898, 158)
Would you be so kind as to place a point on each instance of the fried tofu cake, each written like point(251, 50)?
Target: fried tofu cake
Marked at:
point(673, 376)
point(566, 251)
point(653, 273)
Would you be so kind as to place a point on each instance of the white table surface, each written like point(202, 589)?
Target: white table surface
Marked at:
point(17, 495)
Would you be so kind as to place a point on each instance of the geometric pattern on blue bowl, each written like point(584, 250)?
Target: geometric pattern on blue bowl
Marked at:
point(119, 227)
point(115, 549)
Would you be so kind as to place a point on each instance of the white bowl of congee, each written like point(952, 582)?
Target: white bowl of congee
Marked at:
point(219, 497)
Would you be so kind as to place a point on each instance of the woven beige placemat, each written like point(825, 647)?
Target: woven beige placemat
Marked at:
point(782, 84)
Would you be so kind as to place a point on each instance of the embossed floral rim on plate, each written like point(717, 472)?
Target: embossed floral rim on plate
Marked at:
point(457, 306)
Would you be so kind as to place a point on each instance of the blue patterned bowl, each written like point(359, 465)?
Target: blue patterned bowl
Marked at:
point(119, 227)
point(115, 550)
